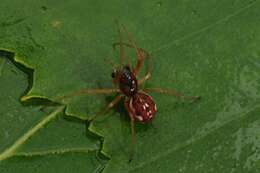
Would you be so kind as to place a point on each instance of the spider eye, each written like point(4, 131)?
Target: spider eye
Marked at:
point(113, 74)
point(127, 68)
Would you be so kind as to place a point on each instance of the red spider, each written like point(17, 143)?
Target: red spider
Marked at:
point(140, 106)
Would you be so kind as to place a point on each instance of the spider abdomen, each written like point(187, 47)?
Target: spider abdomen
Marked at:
point(142, 107)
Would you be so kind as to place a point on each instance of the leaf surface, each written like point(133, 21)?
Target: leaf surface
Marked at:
point(201, 48)
point(33, 141)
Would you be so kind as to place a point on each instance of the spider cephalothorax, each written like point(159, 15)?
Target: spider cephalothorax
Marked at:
point(126, 80)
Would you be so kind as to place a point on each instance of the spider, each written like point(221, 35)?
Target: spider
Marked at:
point(139, 105)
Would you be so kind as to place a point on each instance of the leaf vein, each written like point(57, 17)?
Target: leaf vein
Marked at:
point(20, 141)
point(55, 152)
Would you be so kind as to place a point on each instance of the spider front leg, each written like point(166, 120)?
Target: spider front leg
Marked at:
point(121, 51)
point(144, 54)
point(140, 56)
point(148, 71)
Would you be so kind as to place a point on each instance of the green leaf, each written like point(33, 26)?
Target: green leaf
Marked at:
point(34, 142)
point(207, 48)
point(66, 162)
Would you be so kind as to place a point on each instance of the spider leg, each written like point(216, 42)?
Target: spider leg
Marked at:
point(145, 78)
point(90, 91)
point(122, 43)
point(148, 71)
point(133, 139)
point(110, 105)
point(144, 54)
point(82, 92)
point(172, 92)
point(122, 51)
point(140, 56)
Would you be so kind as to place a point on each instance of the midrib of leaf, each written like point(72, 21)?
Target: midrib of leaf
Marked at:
point(48, 152)
point(20, 141)
point(195, 138)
